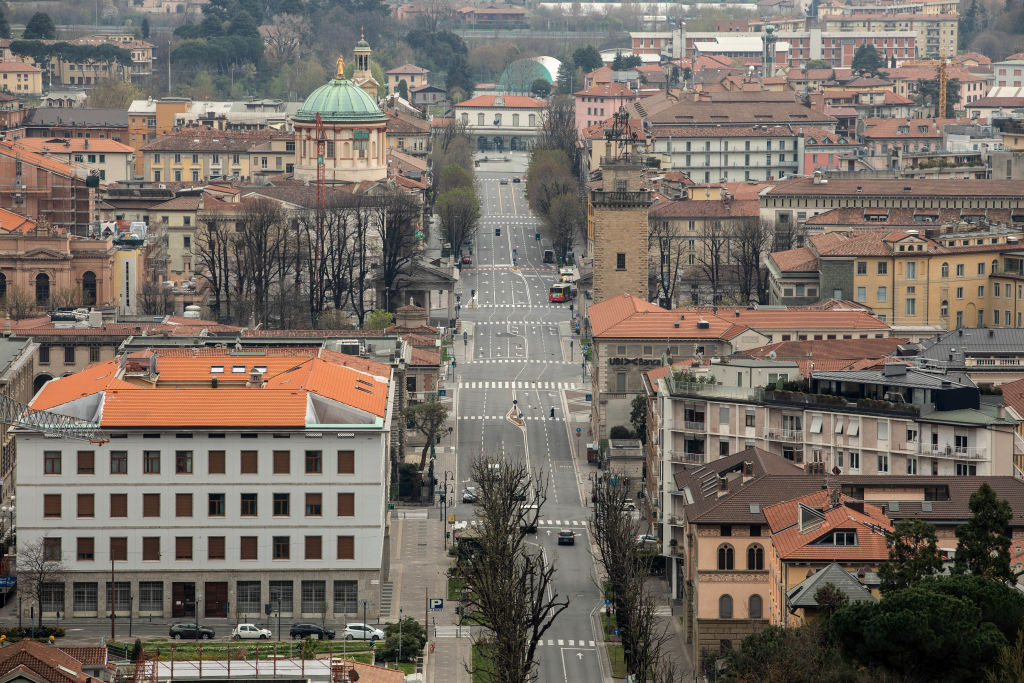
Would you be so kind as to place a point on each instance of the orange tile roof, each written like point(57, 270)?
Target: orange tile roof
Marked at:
point(508, 102)
point(12, 67)
point(15, 222)
point(40, 660)
point(70, 145)
point(7, 148)
point(182, 394)
point(793, 543)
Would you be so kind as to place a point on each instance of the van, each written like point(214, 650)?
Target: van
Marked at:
point(529, 523)
point(549, 256)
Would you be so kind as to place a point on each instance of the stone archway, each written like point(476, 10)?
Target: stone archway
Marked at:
point(39, 381)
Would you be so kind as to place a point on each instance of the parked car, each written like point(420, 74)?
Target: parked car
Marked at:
point(628, 505)
point(470, 494)
point(363, 632)
point(250, 632)
point(566, 537)
point(194, 631)
point(467, 260)
point(304, 630)
point(647, 542)
point(503, 181)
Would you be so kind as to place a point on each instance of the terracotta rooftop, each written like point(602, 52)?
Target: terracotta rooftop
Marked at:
point(21, 67)
point(615, 89)
point(506, 102)
point(903, 128)
point(204, 139)
point(173, 326)
point(891, 218)
point(699, 208)
point(408, 69)
point(910, 187)
point(71, 145)
point(833, 349)
point(801, 528)
point(39, 660)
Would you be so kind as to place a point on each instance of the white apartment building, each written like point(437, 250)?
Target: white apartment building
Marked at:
point(712, 154)
point(502, 122)
point(230, 481)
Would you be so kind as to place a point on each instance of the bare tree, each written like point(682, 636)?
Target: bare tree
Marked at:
point(212, 263)
point(458, 211)
point(511, 580)
point(156, 299)
point(285, 37)
point(260, 239)
point(713, 253)
point(18, 303)
point(359, 262)
point(753, 236)
point(627, 565)
point(39, 567)
point(666, 245)
point(397, 217)
point(558, 130)
point(565, 220)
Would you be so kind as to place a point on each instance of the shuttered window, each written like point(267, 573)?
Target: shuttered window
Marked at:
point(346, 504)
point(314, 504)
point(314, 548)
point(51, 505)
point(150, 504)
point(119, 549)
point(86, 505)
point(282, 462)
point(183, 504)
point(118, 504)
point(183, 548)
point(151, 548)
point(86, 549)
point(86, 462)
point(248, 547)
point(215, 548)
point(346, 462)
point(249, 462)
point(216, 462)
point(346, 547)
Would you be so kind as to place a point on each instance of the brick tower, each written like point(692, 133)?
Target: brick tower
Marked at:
point(618, 213)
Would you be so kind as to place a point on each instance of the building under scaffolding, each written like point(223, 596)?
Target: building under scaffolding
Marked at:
point(49, 191)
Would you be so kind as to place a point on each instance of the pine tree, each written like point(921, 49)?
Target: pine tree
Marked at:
point(983, 548)
point(5, 28)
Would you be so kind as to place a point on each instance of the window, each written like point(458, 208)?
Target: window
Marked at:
point(86, 551)
point(883, 267)
point(862, 267)
point(51, 505)
point(981, 291)
point(346, 547)
point(725, 606)
point(725, 530)
point(150, 504)
point(911, 270)
point(314, 505)
point(281, 505)
point(182, 504)
point(215, 463)
point(85, 597)
point(854, 460)
point(883, 463)
point(966, 470)
point(86, 505)
point(346, 462)
point(119, 462)
point(247, 547)
point(981, 268)
point(118, 504)
point(249, 594)
point(945, 270)
point(911, 306)
point(215, 548)
point(248, 505)
point(249, 462)
point(52, 549)
point(151, 548)
point(995, 289)
point(183, 462)
point(346, 597)
point(750, 416)
point(314, 597)
point(862, 294)
point(151, 596)
point(44, 355)
point(215, 506)
point(911, 465)
point(282, 464)
point(959, 295)
point(151, 462)
point(69, 355)
point(620, 261)
point(119, 548)
point(755, 607)
point(346, 504)
point(281, 596)
point(959, 270)
point(314, 547)
point(314, 462)
point(86, 462)
point(726, 557)
point(755, 557)
point(51, 462)
point(282, 547)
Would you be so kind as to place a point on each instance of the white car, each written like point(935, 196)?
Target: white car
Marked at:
point(363, 632)
point(250, 632)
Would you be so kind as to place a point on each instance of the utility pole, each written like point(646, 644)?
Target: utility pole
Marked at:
point(168, 66)
point(111, 591)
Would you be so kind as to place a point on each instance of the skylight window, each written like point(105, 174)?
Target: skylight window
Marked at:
point(216, 369)
point(238, 369)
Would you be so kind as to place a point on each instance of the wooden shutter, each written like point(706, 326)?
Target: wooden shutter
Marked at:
point(346, 547)
point(151, 548)
point(314, 548)
point(86, 462)
point(150, 504)
point(248, 547)
point(86, 505)
point(118, 504)
point(282, 462)
point(86, 548)
point(183, 504)
point(216, 462)
point(51, 505)
point(119, 548)
point(249, 462)
point(346, 462)
point(346, 504)
point(183, 547)
point(215, 548)
point(314, 504)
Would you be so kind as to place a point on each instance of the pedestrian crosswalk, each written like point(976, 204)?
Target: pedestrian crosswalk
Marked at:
point(519, 385)
point(552, 523)
point(452, 632)
point(536, 305)
point(565, 642)
point(532, 418)
point(532, 361)
point(503, 323)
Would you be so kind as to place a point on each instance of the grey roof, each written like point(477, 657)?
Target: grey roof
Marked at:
point(802, 594)
point(10, 349)
point(77, 116)
point(985, 416)
point(953, 346)
point(913, 378)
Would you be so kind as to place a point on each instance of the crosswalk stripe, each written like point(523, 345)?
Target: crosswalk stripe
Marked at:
point(525, 384)
point(591, 643)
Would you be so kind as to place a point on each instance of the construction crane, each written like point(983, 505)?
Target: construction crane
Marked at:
point(49, 423)
point(943, 84)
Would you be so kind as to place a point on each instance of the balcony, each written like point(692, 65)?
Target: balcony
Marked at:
point(686, 457)
point(691, 426)
point(620, 198)
point(713, 391)
point(957, 452)
point(785, 435)
point(833, 402)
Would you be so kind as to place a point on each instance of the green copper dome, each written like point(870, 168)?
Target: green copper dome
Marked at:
point(340, 100)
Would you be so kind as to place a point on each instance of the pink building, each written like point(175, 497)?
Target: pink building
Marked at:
point(600, 102)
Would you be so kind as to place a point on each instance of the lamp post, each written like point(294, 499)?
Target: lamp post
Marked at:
point(399, 634)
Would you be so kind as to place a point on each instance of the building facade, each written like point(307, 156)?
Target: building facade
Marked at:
point(497, 122)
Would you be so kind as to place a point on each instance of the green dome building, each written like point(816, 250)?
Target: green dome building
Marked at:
point(354, 128)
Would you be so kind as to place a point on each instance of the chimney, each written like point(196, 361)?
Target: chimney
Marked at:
point(723, 483)
point(213, 382)
point(255, 380)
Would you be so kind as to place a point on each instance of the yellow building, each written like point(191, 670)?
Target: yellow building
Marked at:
point(19, 78)
point(199, 154)
point(150, 119)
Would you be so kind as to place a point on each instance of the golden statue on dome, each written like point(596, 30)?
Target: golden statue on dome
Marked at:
point(341, 67)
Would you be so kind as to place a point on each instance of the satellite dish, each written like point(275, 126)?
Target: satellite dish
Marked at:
point(771, 355)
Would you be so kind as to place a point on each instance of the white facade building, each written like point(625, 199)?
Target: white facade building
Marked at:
point(502, 122)
point(230, 481)
point(731, 153)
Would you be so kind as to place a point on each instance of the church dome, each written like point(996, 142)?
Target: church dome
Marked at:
point(340, 100)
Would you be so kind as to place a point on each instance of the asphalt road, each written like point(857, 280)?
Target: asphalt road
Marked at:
point(516, 341)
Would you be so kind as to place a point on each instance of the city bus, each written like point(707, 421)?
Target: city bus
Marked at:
point(561, 292)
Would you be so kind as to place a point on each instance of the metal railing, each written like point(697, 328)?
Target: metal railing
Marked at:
point(713, 390)
point(686, 456)
point(957, 452)
point(785, 435)
point(694, 426)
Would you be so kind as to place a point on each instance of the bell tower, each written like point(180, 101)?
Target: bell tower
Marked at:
point(361, 75)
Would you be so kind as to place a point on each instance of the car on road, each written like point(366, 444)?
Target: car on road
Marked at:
point(503, 181)
point(566, 537)
point(470, 494)
point(250, 632)
point(646, 541)
point(305, 630)
point(194, 631)
point(628, 505)
point(467, 260)
point(516, 179)
point(363, 632)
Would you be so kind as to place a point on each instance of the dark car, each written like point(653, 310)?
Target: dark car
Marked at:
point(566, 537)
point(193, 631)
point(516, 179)
point(304, 630)
point(503, 181)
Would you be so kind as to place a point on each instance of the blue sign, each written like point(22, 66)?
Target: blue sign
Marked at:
point(607, 601)
point(578, 430)
point(442, 392)
point(436, 604)
point(8, 581)
point(590, 397)
point(615, 632)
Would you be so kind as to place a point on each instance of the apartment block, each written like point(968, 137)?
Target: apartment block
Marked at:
point(229, 481)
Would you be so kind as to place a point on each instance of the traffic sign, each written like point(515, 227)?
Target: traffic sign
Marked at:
point(615, 632)
point(451, 519)
point(607, 601)
point(578, 430)
point(589, 397)
point(436, 604)
point(442, 392)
